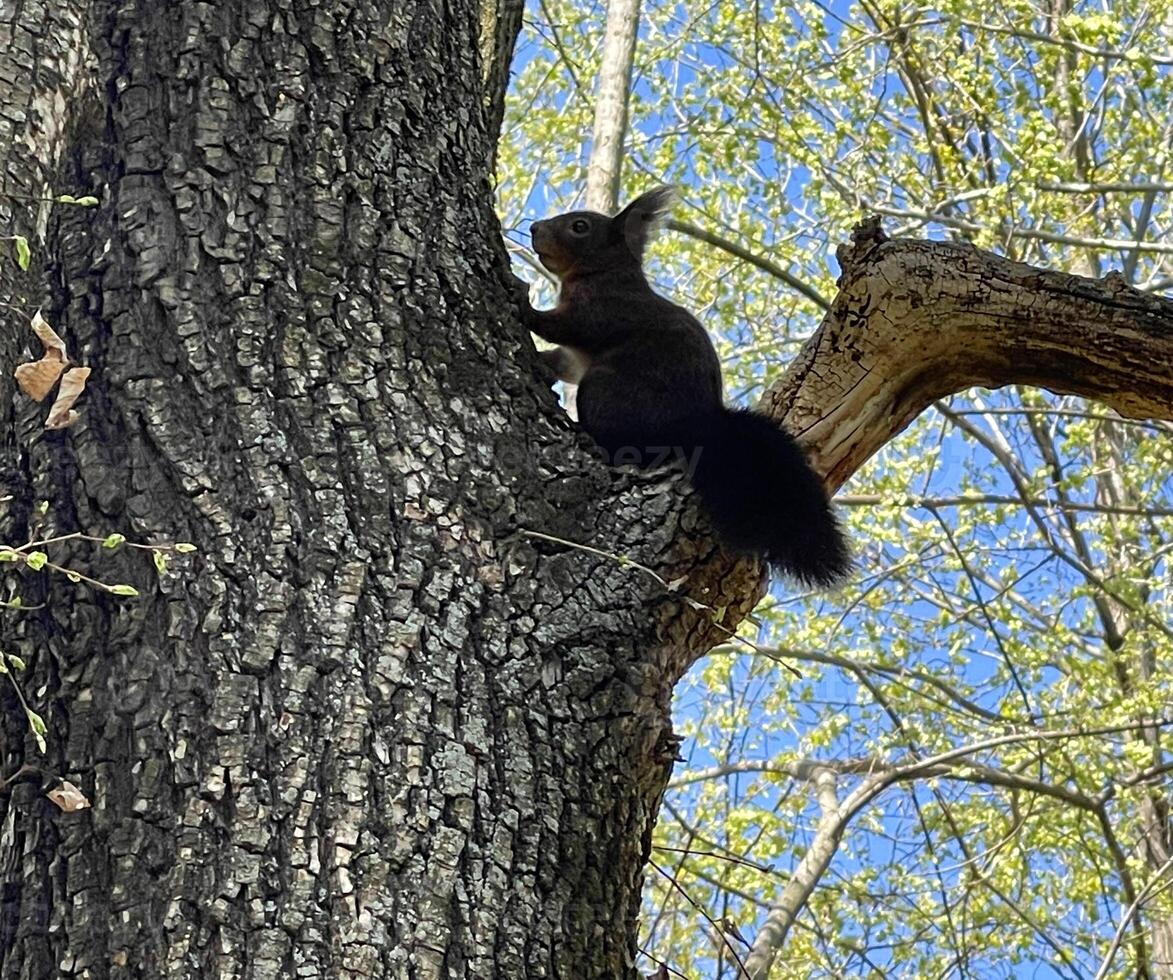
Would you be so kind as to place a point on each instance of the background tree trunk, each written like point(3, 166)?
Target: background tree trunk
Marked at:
point(605, 165)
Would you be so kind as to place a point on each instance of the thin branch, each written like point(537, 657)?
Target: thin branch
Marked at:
point(1062, 42)
point(1105, 187)
point(966, 772)
point(775, 270)
point(708, 918)
point(983, 607)
point(557, 39)
point(732, 859)
point(890, 671)
point(1130, 912)
point(978, 500)
point(1007, 230)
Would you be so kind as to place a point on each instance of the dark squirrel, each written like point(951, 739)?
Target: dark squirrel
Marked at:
point(650, 389)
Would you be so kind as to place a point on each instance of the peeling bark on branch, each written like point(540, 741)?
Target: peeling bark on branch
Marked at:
point(915, 321)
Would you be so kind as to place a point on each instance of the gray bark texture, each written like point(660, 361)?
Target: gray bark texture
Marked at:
point(375, 727)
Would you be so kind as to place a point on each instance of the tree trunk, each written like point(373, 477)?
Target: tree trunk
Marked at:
point(372, 729)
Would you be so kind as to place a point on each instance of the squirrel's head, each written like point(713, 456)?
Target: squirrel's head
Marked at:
point(582, 242)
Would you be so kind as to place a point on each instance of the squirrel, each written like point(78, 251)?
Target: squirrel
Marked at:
point(650, 386)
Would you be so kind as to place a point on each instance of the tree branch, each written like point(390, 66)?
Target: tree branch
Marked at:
point(1008, 230)
point(620, 34)
point(993, 499)
point(915, 321)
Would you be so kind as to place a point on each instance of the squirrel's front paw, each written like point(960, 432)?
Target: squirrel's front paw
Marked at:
point(520, 291)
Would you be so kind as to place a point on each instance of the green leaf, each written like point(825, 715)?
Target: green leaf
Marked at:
point(185, 547)
point(36, 722)
point(129, 590)
point(89, 201)
point(113, 540)
point(7, 554)
point(36, 560)
point(16, 661)
point(65, 199)
point(160, 561)
point(23, 254)
point(72, 575)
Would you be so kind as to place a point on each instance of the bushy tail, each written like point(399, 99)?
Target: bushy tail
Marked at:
point(765, 500)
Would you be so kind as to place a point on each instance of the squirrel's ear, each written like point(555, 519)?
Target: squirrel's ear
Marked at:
point(643, 217)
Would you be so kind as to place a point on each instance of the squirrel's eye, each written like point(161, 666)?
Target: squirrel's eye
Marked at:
point(580, 226)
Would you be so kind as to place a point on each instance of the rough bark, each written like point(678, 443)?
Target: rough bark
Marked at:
point(373, 729)
point(44, 72)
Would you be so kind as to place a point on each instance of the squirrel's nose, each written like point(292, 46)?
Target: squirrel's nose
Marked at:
point(537, 230)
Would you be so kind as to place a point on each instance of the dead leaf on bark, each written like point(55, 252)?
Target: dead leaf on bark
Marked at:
point(68, 797)
point(36, 378)
point(48, 336)
point(61, 415)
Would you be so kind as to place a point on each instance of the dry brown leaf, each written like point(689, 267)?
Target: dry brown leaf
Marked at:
point(68, 797)
point(48, 336)
point(36, 378)
point(72, 385)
